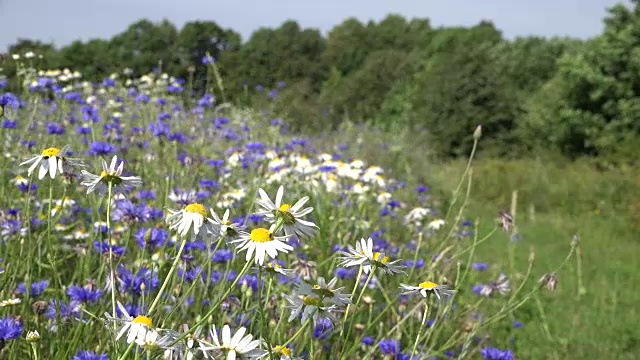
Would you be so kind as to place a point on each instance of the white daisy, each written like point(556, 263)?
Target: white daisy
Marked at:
point(51, 161)
point(262, 242)
point(238, 346)
point(427, 287)
point(290, 216)
point(364, 255)
point(180, 347)
point(135, 328)
point(310, 306)
point(110, 174)
point(436, 224)
point(191, 219)
point(325, 291)
point(224, 227)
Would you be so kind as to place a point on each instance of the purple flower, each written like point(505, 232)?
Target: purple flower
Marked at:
point(37, 288)
point(490, 353)
point(480, 266)
point(101, 148)
point(89, 355)
point(323, 329)
point(82, 294)
point(55, 129)
point(10, 329)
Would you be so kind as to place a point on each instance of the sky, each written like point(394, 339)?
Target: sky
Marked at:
point(63, 21)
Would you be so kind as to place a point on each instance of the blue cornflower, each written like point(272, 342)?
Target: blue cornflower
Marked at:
point(206, 100)
point(145, 195)
point(55, 129)
point(11, 227)
point(210, 184)
point(160, 129)
point(83, 130)
point(178, 137)
point(222, 255)
point(389, 346)
point(220, 122)
point(89, 355)
point(108, 82)
point(323, 329)
point(37, 288)
point(142, 98)
point(419, 263)
point(344, 273)
point(517, 324)
point(191, 274)
point(250, 281)
point(422, 189)
point(153, 238)
point(66, 311)
point(9, 124)
point(491, 353)
point(10, 329)
point(326, 168)
point(368, 340)
point(480, 266)
point(256, 218)
point(81, 294)
point(101, 148)
point(128, 212)
point(206, 60)
point(131, 283)
point(9, 99)
point(104, 247)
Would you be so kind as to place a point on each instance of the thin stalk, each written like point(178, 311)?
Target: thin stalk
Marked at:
point(353, 293)
point(424, 320)
point(168, 277)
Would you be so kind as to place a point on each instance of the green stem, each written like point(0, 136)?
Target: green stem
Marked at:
point(353, 293)
point(364, 287)
point(302, 328)
point(126, 352)
point(424, 320)
point(49, 246)
point(168, 277)
point(263, 319)
point(216, 306)
point(112, 273)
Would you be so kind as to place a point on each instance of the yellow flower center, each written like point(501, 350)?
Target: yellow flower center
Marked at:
point(380, 257)
point(196, 209)
point(323, 292)
point(261, 235)
point(52, 151)
point(282, 350)
point(285, 207)
point(228, 223)
point(144, 320)
point(105, 174)
point(428, 285)
point(308, 300)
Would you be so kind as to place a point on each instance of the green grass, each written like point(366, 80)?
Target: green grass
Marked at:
point(556, 200)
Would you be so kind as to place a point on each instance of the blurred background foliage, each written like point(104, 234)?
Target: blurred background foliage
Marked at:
point(577, 98)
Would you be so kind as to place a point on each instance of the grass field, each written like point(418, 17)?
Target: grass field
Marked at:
point(556, 200)
point(63, 248)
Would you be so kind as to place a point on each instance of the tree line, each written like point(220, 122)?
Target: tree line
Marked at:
point(577, 97)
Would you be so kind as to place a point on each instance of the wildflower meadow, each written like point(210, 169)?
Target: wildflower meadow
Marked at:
point(136, 224)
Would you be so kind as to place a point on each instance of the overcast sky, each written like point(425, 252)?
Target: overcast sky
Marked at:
point(62, 21)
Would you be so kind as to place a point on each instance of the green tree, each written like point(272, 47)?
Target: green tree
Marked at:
point(455, 89)
point(592, 104)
